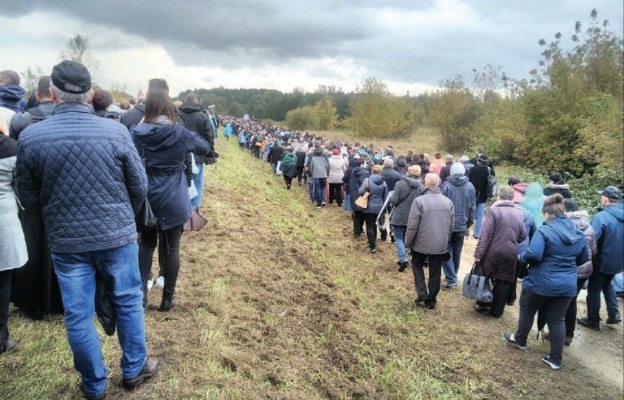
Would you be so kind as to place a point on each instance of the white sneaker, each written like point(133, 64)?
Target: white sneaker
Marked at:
point(149, 284)
point(160, 282)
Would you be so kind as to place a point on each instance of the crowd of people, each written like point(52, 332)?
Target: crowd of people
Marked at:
point(76, 171)
point(75, 180)
point(427, 208)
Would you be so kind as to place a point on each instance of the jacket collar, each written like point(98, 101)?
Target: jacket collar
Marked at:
point(74, 107)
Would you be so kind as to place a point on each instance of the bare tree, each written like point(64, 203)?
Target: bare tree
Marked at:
point(78, 49)
point(30, 78)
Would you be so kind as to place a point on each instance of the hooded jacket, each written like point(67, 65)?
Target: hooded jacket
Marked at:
point(289, 165)
point(608, 226)
point(354, 177)
point(401, 166)
point(405, 191)
point(552, 188)
point(194, 118)
point(11, 97)
point(430, 223)
point(86, 176)
point(22, 120)
point(461, 192)
point(376, 186)
point(164, 148)
point(133, 116)
point(581, 221)
point(556, 249)
point(497, 248)
point(318, 165)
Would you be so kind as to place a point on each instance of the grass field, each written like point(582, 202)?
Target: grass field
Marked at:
point(276, 300)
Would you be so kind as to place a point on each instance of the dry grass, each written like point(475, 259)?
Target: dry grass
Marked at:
point(276, 300)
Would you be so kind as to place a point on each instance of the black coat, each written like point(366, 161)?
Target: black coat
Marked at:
point(194, 118)
point(478, 176)
point(276, 153)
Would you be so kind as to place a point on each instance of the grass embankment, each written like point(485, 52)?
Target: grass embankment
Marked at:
point(276, 300)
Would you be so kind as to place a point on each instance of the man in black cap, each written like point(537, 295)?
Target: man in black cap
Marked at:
point(608, 225)
point(88, 179)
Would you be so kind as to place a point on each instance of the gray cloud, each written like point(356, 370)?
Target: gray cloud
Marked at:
point(242, 33)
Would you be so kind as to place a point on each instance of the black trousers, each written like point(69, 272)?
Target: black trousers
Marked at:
point(168, 242)
point(335, 193)
point(358, 222)
point(500, 290)
point(371, 229)
point(5, 296)
point(427, 292)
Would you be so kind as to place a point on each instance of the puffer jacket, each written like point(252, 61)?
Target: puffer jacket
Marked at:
point(376, 186)
point(581, 221)
point(337, 168)
point(608, 226)
point(133, 116)
point(22, 120)
point(85, 174)
point(353, 178)
point(164, 147)
point(556, 249)
point(463, 195)
point(405, 191)
point(430, 223)
point(497, 248)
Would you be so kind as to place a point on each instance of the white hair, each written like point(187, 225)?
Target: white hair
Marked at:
point(64, 97)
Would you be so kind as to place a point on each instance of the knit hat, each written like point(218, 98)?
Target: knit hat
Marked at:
point(458, 169)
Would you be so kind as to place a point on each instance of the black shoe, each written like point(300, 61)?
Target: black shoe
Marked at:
point(615, 320)
point(588, 324)
point(165, 305)
point(420, 301)
point(430, 304)
point(402, 265)
point(373, 250)
point(149, 370)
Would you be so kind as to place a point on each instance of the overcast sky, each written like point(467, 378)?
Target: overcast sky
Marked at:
point(410, 44)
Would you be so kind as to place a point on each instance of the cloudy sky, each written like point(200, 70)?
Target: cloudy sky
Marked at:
point(409, 44)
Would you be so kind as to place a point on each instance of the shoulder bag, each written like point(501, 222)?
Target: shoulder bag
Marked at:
point(477, 287)
point(362, 201)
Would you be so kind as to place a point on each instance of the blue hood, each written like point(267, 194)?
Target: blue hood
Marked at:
point(11, 96)
point(616, 210)
point(565, 229)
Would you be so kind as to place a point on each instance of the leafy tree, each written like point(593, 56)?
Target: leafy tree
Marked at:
point(375, 112)
point(452, 111)
point(325, 113)
point(302, 118)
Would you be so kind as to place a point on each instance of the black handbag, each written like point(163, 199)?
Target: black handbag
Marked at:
point(145, 217)
point(477, 287)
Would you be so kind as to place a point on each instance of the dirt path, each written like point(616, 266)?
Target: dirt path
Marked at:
point(601, 352)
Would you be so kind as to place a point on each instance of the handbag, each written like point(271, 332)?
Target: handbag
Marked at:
point(362, 201)
point(145, 217)
point(196, 223)
point(477, 287)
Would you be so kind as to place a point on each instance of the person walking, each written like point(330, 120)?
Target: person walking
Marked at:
point(337, 169)
point(405, 191)
point(462, 194)
point(376, 186)
point(429, 227)
point(608, 225)
point(288, 166)
point(555, 251)
point(85, 174)
point(318, 168)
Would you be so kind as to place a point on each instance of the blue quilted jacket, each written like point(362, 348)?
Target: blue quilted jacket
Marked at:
point(85, 174)
point(164, 148)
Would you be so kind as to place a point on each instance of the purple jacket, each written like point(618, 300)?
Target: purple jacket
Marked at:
point(502, 230)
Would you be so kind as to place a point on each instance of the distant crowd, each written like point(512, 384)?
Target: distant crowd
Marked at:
point(90, 189)
point(427, 207)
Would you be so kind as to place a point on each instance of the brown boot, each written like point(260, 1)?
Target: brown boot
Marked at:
point(149, 370)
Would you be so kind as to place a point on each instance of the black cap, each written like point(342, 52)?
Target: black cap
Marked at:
point(157, 84)
point(611, 192)
point(71, 77)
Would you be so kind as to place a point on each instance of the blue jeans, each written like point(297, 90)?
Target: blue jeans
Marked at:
point(319, 190)
point(399, 233)
point(198, 179)
point(478, 219)
point(76, 277)
point(599, 282)
point(451, 266)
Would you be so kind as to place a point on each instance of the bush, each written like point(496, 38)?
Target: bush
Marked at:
point(301, 119)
